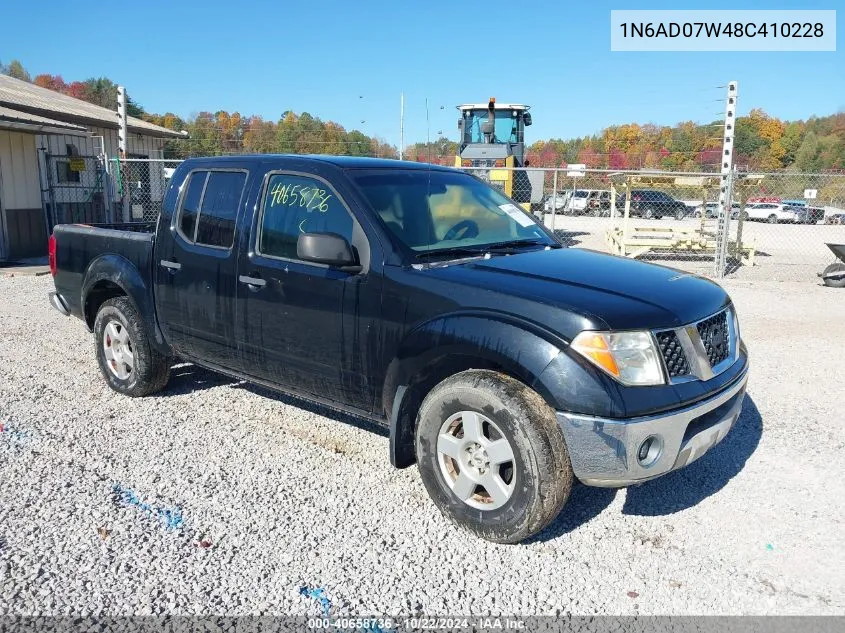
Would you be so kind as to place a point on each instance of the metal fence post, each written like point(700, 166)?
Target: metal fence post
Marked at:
point(725, 199)
point(554, 199)
point(724, 226)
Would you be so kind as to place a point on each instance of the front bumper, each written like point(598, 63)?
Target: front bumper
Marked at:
point(604, 452)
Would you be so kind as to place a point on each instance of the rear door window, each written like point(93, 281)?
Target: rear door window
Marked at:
point(219, 208)
point(191, 205)
point(209, 207)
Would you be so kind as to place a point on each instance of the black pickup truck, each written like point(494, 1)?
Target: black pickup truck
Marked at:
point(505, 365)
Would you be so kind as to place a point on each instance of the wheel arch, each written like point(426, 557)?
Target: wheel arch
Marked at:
point(449, 345)
point(110, 276)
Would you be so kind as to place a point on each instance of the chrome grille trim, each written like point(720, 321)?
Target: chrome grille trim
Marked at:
point(695, 352)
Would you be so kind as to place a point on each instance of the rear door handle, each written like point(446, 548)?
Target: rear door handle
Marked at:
point(173, 266)
point(253, 282)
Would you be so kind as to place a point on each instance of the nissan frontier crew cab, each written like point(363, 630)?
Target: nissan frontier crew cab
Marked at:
point(504, 365)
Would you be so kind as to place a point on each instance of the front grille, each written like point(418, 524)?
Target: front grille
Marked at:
point(673, 355)
point(715, 337)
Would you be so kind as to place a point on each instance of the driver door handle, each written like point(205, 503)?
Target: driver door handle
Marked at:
point(253, 282)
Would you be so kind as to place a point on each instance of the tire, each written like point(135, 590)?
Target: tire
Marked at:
point(533, 485)
point(834, 268)
point(127, 361)
point(680, 214)
point(648, 214)
point(773, 219)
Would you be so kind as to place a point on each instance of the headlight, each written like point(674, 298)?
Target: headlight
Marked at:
point(630, 357)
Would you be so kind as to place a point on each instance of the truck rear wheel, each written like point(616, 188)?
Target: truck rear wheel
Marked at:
point(127, 360)
point(492, 456)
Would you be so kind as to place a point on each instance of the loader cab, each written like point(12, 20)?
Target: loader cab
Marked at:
point(492, 142)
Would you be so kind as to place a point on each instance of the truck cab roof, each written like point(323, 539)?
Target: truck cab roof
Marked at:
point(344, 162)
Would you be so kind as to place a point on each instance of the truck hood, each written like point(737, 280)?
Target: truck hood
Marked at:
point(622, 293)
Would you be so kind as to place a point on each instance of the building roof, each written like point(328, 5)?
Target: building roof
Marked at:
point(27, 97)
point(26, 122)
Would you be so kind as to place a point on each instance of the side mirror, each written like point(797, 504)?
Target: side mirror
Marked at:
point(526, 118)
point(327, 248)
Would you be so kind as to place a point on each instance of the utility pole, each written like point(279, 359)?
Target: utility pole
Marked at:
point(401, 125)
point(726, 184)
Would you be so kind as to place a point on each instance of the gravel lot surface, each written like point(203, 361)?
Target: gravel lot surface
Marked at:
point(216, 497)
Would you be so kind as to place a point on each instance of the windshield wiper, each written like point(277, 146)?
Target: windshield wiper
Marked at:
point(482, 249)
point(512, 245)
point(455, 250)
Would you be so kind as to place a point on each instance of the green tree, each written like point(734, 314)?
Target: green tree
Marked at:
point(15, 69)
point(806, 158)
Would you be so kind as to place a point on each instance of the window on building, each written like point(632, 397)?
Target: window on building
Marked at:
point(68, 171)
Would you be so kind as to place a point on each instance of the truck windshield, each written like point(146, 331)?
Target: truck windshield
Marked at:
point(506, 130)
point(439, 210)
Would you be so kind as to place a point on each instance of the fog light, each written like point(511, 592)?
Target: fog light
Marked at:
point(649, 451)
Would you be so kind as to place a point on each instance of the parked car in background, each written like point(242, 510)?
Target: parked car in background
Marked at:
point(599, 203)
point(651, 203)
point(556, 201)
point(835, 218)
point(809, 215)
point(577, 203)
point(711, 210)
point(771, 212)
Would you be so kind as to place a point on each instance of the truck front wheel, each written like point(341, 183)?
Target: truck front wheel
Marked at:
point(127, 360)
point(492, 456)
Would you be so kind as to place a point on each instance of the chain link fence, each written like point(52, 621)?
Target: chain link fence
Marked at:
point(789, 218)
point(92, 190)
point(139, 186)
point(777, 228)
point(77, 189)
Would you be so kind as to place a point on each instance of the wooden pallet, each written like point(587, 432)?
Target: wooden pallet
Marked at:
point(665, 240)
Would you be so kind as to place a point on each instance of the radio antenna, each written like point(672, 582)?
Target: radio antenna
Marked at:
point(427, 131)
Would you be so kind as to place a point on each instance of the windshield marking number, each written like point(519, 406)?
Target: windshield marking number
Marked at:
point(312, 198)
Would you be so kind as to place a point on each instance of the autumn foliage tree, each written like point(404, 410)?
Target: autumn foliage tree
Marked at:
point(761, 142)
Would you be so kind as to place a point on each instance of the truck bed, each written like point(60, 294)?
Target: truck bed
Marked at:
point(79, 245)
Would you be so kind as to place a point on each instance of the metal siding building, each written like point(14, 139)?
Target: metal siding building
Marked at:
point(52, 162)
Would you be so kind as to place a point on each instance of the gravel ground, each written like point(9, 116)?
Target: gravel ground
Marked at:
point(219, 498)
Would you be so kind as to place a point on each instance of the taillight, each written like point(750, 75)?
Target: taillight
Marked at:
point(51, 253)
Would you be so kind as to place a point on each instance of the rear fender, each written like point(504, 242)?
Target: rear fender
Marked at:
point(113, 275)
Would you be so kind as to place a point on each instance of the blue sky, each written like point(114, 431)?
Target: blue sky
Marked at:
point(349, 61)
